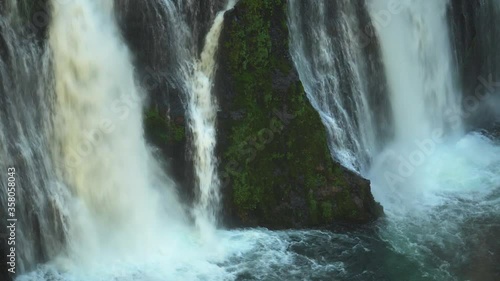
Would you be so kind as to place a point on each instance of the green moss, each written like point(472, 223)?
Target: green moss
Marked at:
point(345, 208)
point(327, 211)
point(162, 129)
point(251, 46)
point(313, 208)
point(270, 160)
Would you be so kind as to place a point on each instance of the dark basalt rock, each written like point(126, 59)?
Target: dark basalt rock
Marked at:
point(275, 164)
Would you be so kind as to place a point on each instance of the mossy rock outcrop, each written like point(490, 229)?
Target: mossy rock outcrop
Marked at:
point(275, 164)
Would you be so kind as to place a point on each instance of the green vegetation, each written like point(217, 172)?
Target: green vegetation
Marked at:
point(163, 130)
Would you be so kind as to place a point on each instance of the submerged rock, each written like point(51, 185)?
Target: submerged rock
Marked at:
point(275, 164)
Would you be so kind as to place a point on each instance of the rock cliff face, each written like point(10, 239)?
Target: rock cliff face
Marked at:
point(275, 164)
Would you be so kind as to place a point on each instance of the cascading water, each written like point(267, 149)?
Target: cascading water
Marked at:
point(428, 171)
point(202, 112)
point(423, 90)
point(98, 115)
point(108, 196)
point(25, 131)
point(192, 71)
point(327, 47)
point(423, 87)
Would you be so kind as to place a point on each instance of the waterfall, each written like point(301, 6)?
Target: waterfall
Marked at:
point(71, 125)
point(329, 42)
point(191, 71)
point(202, 112)
point(422, 82)
point(332, 55)
point(424, 108)
point(423, 87)
point(98, 117)
point(25, 141)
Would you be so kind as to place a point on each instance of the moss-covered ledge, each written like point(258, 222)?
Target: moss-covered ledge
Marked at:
point(275, 164)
